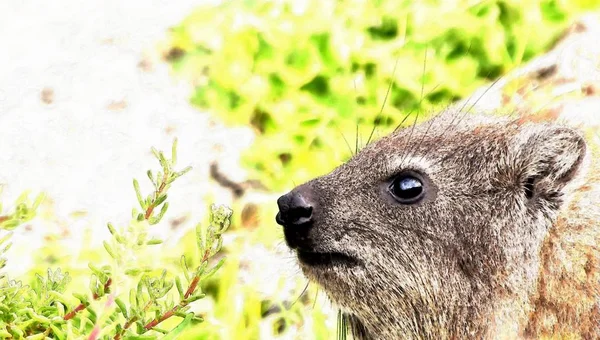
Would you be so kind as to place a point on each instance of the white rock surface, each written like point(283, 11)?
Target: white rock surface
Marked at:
point(78, 114)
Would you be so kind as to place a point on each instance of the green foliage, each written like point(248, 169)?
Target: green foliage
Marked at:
point(131, 294)
point(23, 212)
point(303, 73)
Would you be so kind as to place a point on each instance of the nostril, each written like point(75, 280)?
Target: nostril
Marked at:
point(300, 215)
point(294, 209)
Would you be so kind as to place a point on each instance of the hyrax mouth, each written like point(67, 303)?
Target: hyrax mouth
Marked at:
point(298, 214)
point(324, 260)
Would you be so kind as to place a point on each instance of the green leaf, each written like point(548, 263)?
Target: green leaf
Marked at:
point(39, 336)
point(151, 177)
point(133, 271)
point(111, 228)
point(92, 314)
point(213, 270)
point(138, 194)
point(154, 241)
point(155, 153)
point(163, 162)
point(82, 298)
point(160, 200)
point(195, 297)
point(122, 307)
point(133, 299)
point(141, 337)
point(10, 224)
point(161, 214)
point(179, 287)
point(110, 250)
point(38, 200)
point(179, 174)
point(184, 267)
point(58, 333)
point(174, 152)
point(173, 334)
point(139, 297)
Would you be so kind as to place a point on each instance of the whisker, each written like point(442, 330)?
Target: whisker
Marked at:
point(432, 121)
point(419, 110)
point(299, 296)
point(423, 74)
point(342, 327)
point(345, 140)
point(457, 114)
point(422, 89)
point(413, 109)
point(516, 112)
point(403, 120)
point(412, 130)
point(356, 140)
point(387, 93)
point(420, 103)
point(478, 99)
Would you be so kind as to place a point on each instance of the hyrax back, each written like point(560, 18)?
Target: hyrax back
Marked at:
point(462, 226)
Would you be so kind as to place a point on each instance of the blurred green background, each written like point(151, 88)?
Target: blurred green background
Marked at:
point(311, 78)
point(306, 74)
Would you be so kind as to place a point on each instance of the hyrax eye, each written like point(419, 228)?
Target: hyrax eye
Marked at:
point(407, 188)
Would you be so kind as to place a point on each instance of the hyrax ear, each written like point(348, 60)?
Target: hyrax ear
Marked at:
point(553, 154)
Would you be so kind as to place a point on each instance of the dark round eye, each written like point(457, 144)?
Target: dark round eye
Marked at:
point(407, 188)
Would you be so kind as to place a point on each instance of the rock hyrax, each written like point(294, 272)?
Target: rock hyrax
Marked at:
point(464, 226)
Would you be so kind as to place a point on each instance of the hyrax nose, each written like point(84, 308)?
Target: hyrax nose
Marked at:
point(295, 208)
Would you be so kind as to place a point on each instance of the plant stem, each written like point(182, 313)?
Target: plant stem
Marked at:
point(72, 313)
point(165, 316)
point(125, 326)
point(82, 305)
point(153, 323)
point(192, 287)
point(157, 194)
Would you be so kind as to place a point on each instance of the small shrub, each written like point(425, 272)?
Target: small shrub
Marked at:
point(131, 295)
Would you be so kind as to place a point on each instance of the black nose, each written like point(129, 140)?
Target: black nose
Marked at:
point(295, 208)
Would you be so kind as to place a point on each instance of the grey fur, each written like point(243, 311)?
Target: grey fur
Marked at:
point(447, 266)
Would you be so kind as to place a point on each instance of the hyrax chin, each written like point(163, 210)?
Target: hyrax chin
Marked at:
point(463, 226)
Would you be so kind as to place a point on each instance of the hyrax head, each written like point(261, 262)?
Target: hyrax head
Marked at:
point(430, 231)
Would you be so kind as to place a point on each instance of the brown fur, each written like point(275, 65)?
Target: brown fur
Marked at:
point(567, 303)
point(475, 258)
